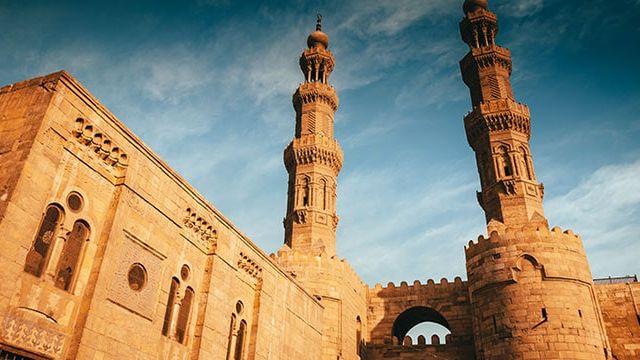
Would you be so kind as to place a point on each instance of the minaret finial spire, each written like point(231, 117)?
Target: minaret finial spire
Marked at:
point(318, 22)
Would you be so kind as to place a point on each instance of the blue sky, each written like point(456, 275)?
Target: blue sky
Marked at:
point(208, 83)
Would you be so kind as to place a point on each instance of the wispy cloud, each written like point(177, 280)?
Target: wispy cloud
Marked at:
point(605, 209)
point(521, 8)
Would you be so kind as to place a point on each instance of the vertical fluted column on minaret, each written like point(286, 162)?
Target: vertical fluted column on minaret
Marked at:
point(314, 158)
point(498, 128)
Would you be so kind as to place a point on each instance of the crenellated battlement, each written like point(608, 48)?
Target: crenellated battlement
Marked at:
point(557, 254)
point(510, 236)
point(444, 285)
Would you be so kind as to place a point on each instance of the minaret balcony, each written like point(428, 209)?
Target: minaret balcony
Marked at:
point(312, 92)
point(484, 57)
point(497, 115)
point(314, 149)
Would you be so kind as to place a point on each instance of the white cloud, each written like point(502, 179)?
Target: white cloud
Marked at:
point(171, 73)
point(605, 209)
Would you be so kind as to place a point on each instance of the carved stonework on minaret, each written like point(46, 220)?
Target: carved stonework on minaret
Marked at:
point(498, 128)
point(314, 158)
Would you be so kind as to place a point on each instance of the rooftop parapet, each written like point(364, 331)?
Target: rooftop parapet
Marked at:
point(526, 234)
point(444, 285)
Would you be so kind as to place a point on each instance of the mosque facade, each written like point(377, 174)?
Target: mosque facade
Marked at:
point(108, 253)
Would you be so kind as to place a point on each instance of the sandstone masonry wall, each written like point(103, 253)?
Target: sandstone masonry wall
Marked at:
point(139, 211)
point(620, 304)
point(532, 294)
point(341, 292)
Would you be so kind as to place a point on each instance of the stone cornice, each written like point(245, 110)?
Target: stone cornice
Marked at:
point(315, 148)
point(484, 57)
point(497, 115)
point(315, 92)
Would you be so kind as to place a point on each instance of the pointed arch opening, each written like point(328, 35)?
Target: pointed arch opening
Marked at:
point(182, 325)
point(38, 255)
point(171, 301)
point(242, 334)
point(505, 161)
point(71, 253)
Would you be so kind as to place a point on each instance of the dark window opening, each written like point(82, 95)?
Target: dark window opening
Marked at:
point(39, 254)
point(232, 326)
point(166, 325)
point(182, 325)
point(240, 340)
point(70, 257)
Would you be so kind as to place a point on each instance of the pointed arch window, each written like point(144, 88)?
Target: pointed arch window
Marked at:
point(232, 327)
point(305, 192)
point(242, 332)
point(323, 194)
point(184, 314)
point(524, 164)
point(505, 162)
point(171, 301)
point(71, 252)
point(40, 252)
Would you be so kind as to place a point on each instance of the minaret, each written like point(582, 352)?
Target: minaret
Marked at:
point(314, 158)
point(531, 291)
point(498, 128)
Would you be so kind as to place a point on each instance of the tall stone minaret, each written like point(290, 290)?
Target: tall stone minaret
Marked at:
point(530, 287)
point(314, 158)
point(498, 128)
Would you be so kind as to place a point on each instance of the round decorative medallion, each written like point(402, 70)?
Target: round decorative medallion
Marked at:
point(75, 201)
point(185, 272)
point(137, 277)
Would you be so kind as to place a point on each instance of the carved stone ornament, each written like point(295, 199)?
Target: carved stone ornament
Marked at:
point(30, 335)
point(336, 220)
point(101, 146)
point(200, 229)
point(510, 187)
point(249, 266)
point(301, 216)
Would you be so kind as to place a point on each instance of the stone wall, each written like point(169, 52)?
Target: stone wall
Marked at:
point(449, 299)
point(22, 106)
point(341, 292)
point(620, 305)
point(420, 352)
point(139, 211)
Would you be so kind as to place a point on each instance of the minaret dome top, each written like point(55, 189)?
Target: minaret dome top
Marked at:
point(318, 38)
point(473, 5)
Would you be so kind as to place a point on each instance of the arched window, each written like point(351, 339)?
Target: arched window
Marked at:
point(242, 332)
point(418, 321)
point(505, 162)
point(70, 257)
point(232, 327)
point(524, 164)
point(38, 256)
point(305, 192)
point(323, 194)
point(171, 301)
point(183, 316)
